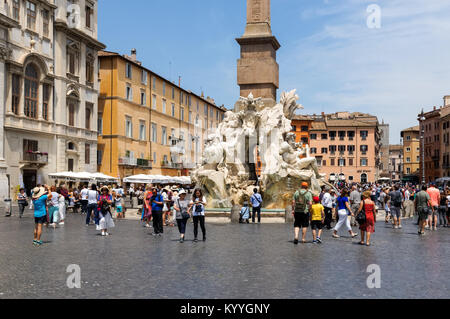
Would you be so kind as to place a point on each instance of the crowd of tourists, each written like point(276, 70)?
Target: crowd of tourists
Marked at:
point(352, 205)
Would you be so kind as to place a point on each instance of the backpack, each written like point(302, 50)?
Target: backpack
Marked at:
point(396, 199)
point(300, 202)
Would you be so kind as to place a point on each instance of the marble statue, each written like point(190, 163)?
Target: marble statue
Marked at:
point(228, 158)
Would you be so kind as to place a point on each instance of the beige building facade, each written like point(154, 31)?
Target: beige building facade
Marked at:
point(411, 151)
point(346, 146)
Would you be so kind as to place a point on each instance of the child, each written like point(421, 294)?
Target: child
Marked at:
point(317, 219)
point(118, 205)
point(245, 214)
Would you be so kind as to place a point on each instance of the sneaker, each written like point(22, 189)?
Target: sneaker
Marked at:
point(395, 227)
point(159, 235)
point(315, 242)
point(204, 238)
point(39, 242)
point(61, 224)
point(336, 236)
point(103, 233)
point(107, 234)
point(154, 234)
point(181, 240)
point(319, 240)
point(195, 240)
point(295, 241)
point(400, 226)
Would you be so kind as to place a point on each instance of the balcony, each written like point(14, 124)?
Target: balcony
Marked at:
point(171, 165)
point(127, 161)
point(32, 157)
point(144, 163)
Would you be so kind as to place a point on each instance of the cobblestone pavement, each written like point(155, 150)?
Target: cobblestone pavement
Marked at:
point(237, 261)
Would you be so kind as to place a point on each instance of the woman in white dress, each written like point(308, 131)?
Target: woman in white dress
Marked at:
point(62, 210)
point(104, 208)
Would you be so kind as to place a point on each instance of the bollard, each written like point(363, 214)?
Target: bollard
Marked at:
point(289, 218)
point(235, 214)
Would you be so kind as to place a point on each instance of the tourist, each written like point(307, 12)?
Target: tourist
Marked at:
point(181, 206)
point(157, 203)
point(355, 201)
point(198, 204)
point(40, 197)
point(131, 193)
point(396, 204)
point(367, 228)
point(344, 211)
point(118, 205)
point(61, 215)
point(147, 207)
point(317, 220)
point(423, 206)
point(22, 201)
point(244, 215)
point(301, 204)
point(443, 207)
point(104, 210)
point(53, 209)
point(386, 204)
point(165, 210)
point(84, 199)
point(92, 197)
point(327, 203)
point(435, 197)
point(256, 201)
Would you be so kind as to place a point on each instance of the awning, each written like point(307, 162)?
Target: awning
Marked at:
point(158, 179)
point(82, 176)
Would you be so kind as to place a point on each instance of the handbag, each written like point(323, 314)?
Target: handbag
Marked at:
point(184, 214)
point(361, 217)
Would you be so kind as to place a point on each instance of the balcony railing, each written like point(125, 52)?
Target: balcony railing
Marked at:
point(35, 157)
point(127, 161)
point(171, 165)
point(143, 163)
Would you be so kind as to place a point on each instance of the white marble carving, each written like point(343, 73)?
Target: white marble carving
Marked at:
point(225, 172)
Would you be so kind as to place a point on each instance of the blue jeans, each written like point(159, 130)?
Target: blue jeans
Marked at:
point(90, 208)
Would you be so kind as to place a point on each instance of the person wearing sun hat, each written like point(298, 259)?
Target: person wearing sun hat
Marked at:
point(40, 197)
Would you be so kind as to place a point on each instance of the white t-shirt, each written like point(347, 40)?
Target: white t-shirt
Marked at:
point(327, 200)
point(92, 197)
point(200, 213)
point(84, 194)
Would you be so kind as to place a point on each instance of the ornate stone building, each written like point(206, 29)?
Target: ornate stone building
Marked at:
point(50, 84)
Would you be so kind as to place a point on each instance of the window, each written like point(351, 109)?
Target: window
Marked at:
point(71, 114)
point(294, 128)
point(88, 16)
point(364, 162)
point(89, 107)
point(128, 71)
point(143, 98)
point(211, 113)
point(144, 77)
point(100, 123)
point(90, 61)
point(154, 83)
point(351, 149)
point(99, 157)
point(164, 106)
point(364, 148)
point(304, 128)
point(31, 15)
point(164, 88)
point(304, 140)
point(341, 135)
point(332, 135)
point(129, 92)
point(164, 135)
point(324, 150)
point(190, 117)
point(45, 22)
point(190, 101)
point(87, 154)
point(350, 161)
point(408, 159)
point(173, 109)
point(324, 163)
point(31, 91)
point(206, 109)
point(154, 101)
point(313, 150)
point(182, 114)
point(341, 162)
point(364, 135)
point(154, 133)
point(70, 164)
point(142, 130)
point(29, 147)
point(332, 161)
point(181, 97)
point(15, 94)
point(408, 138)
point(16, 10)
point(324, 136)
point(73, 57)
point(128, 127)
point(173, 93)
point(313, 136)
point(408, 149)
point(332, 149)
point(351, 135)
point(154, 157)
point(341, 148)
point(408, 170)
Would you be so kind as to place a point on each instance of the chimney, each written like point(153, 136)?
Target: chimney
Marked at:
point(133, 54)
point(323, 114)
point(434, 108)
point(446, 100)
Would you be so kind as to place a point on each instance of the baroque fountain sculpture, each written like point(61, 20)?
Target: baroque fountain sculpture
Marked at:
point(227, 172)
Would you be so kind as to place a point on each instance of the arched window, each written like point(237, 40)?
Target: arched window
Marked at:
point(31, 91)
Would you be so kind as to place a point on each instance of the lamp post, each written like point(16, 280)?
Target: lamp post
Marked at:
point(422, 140)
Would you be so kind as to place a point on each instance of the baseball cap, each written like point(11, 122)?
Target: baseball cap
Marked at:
point(305, 184)
point(316, 199)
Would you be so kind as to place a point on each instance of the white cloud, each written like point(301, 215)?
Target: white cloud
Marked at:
point(392, 72)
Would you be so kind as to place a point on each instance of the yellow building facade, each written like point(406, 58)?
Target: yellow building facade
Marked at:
point(411, 150)
point(147, 124)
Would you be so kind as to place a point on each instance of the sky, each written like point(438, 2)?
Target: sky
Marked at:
point(328, 51)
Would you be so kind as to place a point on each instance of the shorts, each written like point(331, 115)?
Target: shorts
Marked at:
point(40, 220)
point(396, 212)
point(119, 209)
point(316, 225)
point(423, 213)
point(434, 211)
point(301, 220)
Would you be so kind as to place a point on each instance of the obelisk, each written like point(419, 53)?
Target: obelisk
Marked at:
point(257, 69)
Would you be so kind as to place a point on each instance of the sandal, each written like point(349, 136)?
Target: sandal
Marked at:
point(362, 243)
point(368, 244)
point(354, 235)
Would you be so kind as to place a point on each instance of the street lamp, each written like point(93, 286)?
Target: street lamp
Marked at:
point(422, 140)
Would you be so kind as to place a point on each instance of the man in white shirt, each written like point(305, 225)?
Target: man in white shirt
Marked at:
point(327, 202)
point(84, 199)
